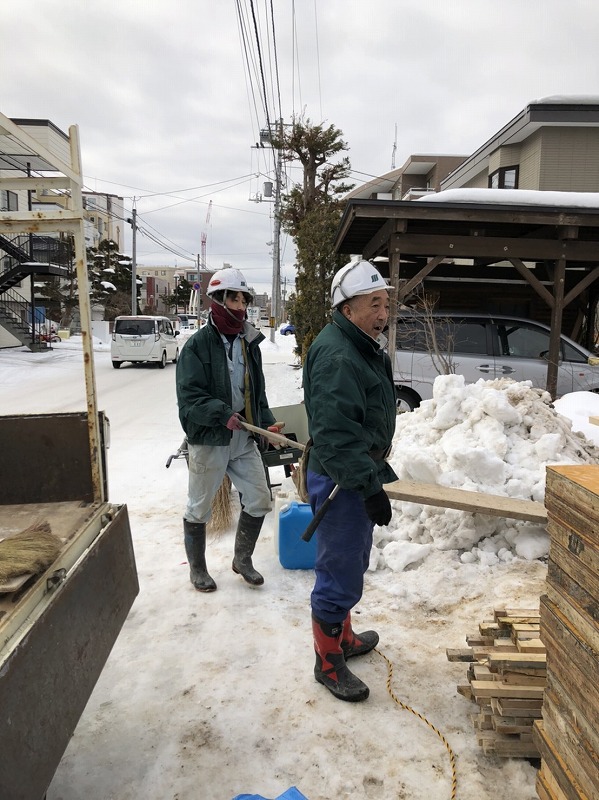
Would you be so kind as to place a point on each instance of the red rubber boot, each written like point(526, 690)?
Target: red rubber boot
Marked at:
point(356, 644)
point(331, 669)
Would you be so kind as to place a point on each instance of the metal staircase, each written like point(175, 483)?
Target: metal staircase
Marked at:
point(13, 307)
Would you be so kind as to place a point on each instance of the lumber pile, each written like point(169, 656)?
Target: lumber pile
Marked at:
point(568, 735)
point(506, 678)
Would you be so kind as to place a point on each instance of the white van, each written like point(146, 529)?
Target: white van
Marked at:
point(144, 338)
point(484, 346)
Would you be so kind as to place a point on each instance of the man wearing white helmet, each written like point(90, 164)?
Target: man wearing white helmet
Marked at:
point(220, 384)
point(350, 403)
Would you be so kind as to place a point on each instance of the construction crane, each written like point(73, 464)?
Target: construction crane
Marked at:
point(204, 238)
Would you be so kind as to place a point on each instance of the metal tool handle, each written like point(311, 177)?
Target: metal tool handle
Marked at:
point(309, 532)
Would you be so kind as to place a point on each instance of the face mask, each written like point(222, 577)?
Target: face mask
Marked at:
point(227, 320)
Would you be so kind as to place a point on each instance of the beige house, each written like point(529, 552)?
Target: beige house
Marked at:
point(551, 145)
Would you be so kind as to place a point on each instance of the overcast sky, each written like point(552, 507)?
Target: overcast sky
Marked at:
point(168, 111)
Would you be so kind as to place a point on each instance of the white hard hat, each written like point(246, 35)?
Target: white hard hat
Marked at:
point(358, 277)
point(228, 279)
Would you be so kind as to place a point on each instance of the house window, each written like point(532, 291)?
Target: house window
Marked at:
point(504, 178)
point(9, 201)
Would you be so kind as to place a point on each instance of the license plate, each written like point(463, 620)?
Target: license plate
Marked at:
point(135, 344)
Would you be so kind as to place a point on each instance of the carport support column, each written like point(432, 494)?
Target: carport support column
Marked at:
point(556, 325)
point(394, 259)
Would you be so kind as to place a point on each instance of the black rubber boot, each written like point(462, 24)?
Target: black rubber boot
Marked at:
point(195, 547)
point(356, 644)
point(248, 530)
point(331, 669)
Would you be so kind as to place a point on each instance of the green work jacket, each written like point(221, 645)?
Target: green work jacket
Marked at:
point(350, 402)
point(204, 386)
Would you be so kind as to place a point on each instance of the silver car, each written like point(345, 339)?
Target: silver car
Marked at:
point(144, 338)
point(484, 346)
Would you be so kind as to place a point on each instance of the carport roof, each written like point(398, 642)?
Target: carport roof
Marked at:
point(367, 227)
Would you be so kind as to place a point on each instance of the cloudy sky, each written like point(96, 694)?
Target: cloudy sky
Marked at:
point(169, 111)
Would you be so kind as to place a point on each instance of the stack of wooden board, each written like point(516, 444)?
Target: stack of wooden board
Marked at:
point(506, 678)
point(568, 735)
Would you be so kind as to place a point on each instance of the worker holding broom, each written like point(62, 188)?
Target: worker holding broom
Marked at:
point(220, 384)
point(350, 403)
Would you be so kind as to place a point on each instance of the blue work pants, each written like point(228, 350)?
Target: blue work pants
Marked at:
point(343, 545)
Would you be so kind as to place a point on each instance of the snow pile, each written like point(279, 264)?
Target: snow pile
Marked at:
point(492, 436)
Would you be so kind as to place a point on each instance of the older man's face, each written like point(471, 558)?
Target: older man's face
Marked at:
point(369, 312)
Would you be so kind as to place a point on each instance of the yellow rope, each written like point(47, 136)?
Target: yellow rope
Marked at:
point(454, 777)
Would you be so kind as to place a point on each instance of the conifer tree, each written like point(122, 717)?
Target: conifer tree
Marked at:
point(310, 213)
point(110, 279)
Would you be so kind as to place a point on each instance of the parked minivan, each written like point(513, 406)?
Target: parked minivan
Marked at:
point(144, 338)
point(484, 346)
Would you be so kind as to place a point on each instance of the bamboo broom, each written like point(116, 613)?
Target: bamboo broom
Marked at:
point(30, 551)
point(222, 513)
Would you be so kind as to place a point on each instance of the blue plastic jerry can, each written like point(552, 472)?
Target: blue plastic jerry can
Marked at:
point(292, 793)
point(294, 552)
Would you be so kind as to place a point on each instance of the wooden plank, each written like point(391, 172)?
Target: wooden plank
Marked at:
point(589, 630)
point(546, 785)
point(575, 541)
point(531, 646)
point(513, 660)
point(508, 707)
point(523, 679)
point(556, 764)
point(572, 494)
point(565, 706)
point(500, 689)
point(576, 594)
point(466, 691)
point(570, 658)
point(531, 614)
point(587, 578)
point(463, 654)
point(512, 724)
point(594, 420)
point(464, 500)
point(494, 743)
point(582, 759)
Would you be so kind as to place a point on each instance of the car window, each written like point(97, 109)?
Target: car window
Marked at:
point(442, 335)
point(521, 340)
point(573, 354)
point(134, 327)
point(168, 328)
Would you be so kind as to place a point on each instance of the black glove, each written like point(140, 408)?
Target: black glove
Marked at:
point(378, 508)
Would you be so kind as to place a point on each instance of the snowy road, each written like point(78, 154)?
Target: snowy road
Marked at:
point(208, 696)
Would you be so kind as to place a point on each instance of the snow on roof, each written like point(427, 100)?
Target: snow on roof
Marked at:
point(517, 197)
point(568, 100)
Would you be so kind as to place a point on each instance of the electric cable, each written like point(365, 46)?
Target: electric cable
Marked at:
point(422, 718)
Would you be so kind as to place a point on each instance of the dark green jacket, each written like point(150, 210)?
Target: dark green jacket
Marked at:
point(350, 403)
point(204, 386)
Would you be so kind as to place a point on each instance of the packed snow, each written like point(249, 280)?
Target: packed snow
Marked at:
point(208, 696)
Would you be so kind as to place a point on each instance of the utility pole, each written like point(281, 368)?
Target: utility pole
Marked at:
point(276, 250)
point(134, 262)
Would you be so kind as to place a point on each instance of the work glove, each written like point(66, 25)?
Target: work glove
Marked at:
point(378, 508)
point(234, 422)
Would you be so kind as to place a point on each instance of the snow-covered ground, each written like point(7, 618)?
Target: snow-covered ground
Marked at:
point(208, 696)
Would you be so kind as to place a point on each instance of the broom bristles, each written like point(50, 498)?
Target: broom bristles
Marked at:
point(222, 513)
point(29, 551)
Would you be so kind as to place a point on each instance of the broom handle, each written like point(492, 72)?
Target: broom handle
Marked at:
point(274, 437)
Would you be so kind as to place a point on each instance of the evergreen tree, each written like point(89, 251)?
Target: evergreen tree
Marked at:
point(310, 213)
point(180, 297)
point(110, 279)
